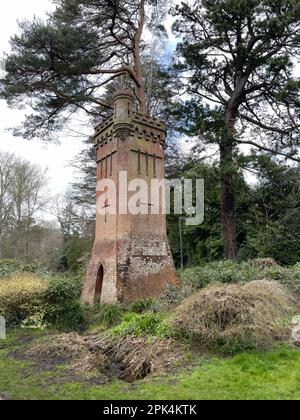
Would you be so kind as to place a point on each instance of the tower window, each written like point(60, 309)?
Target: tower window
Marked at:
point(154, 165)
point(147, 164)
point(139, 162)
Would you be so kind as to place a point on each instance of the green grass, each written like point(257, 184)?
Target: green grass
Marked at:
point(265, 376)
point(139, 324)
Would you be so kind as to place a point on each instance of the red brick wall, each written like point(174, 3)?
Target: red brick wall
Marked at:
point(133, 249)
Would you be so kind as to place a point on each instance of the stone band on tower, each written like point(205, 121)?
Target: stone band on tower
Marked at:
point(131, 257)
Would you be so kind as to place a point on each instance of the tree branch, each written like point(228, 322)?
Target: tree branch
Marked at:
point(267, 149)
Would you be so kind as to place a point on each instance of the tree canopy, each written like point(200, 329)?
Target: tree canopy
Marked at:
point(235, 67)
point(237, 60)
point(60, 66)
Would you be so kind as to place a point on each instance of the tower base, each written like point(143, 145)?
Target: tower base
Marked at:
point(128, 270)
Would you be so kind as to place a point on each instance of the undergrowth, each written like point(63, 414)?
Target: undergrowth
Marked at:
point(147, 324)
point(108, 314)
point(230, 272)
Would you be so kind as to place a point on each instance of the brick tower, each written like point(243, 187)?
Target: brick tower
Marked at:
point(131, 258)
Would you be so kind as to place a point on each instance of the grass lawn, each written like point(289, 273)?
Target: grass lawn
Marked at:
point(264, 376)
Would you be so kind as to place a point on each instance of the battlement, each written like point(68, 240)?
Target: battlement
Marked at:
point(104, 125)
point(151, 129)
point(129, 123)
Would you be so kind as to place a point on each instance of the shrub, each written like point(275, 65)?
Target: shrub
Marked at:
point(276, 273)
point(220, 272)
point(148, 324)
point(231, 273)
point(8, 267)
point(196, 277)
point(142, 305)
point(108, 314)
point(62, 307)
point(233, 318)
point(21, 298)
point(31, 301)
point(76, 253)
point(289, 277)
point(168, 299)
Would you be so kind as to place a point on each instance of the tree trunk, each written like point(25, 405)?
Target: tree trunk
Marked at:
point(27, 243)
point(140, 90)
point(228, 168)
point(228, 202)
point(228, 174)
point(1, 241)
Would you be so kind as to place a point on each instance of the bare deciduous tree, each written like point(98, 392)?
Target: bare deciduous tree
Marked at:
point(21, 199)
point(7, 173)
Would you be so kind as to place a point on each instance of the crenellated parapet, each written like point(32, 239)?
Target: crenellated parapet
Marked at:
point(126, 123)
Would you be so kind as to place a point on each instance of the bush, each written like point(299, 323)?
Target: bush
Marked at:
point(61, 289)
point(235, 318)
point(142, 305)
point(231, 272)
point(75, 253)
point(21, 298)
point(68, 317)
point(168, 299)
point(32, 301)
point(288, 276)
point(62, 307)
point(196, 277)
point(8, 267)
point(220, 272)
point(148, 324)
point(108, 314)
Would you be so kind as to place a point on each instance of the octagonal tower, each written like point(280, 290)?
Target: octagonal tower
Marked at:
point(131, 257)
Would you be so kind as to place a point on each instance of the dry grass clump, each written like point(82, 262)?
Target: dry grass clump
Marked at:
point(130, 358)
point(137, 357)
point(234, 318)
point(91, 363)
point(60, 346)
point(72, 348)
point(263, 262)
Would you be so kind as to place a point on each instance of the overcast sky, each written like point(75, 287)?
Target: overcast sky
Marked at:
point(55, 157)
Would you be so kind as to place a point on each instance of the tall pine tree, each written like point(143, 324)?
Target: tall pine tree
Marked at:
point(60, 66)
point(238, 63)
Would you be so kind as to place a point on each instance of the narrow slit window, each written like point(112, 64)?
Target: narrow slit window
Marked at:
point(139, 162)
point(154, 165)
point(147, 164)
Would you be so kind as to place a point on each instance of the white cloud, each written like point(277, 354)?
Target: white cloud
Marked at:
point(13, 11)
point(54, 157)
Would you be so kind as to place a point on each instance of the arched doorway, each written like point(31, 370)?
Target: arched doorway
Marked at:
point(99, 283)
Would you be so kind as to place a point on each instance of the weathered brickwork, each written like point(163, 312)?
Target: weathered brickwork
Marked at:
point(131, 258)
